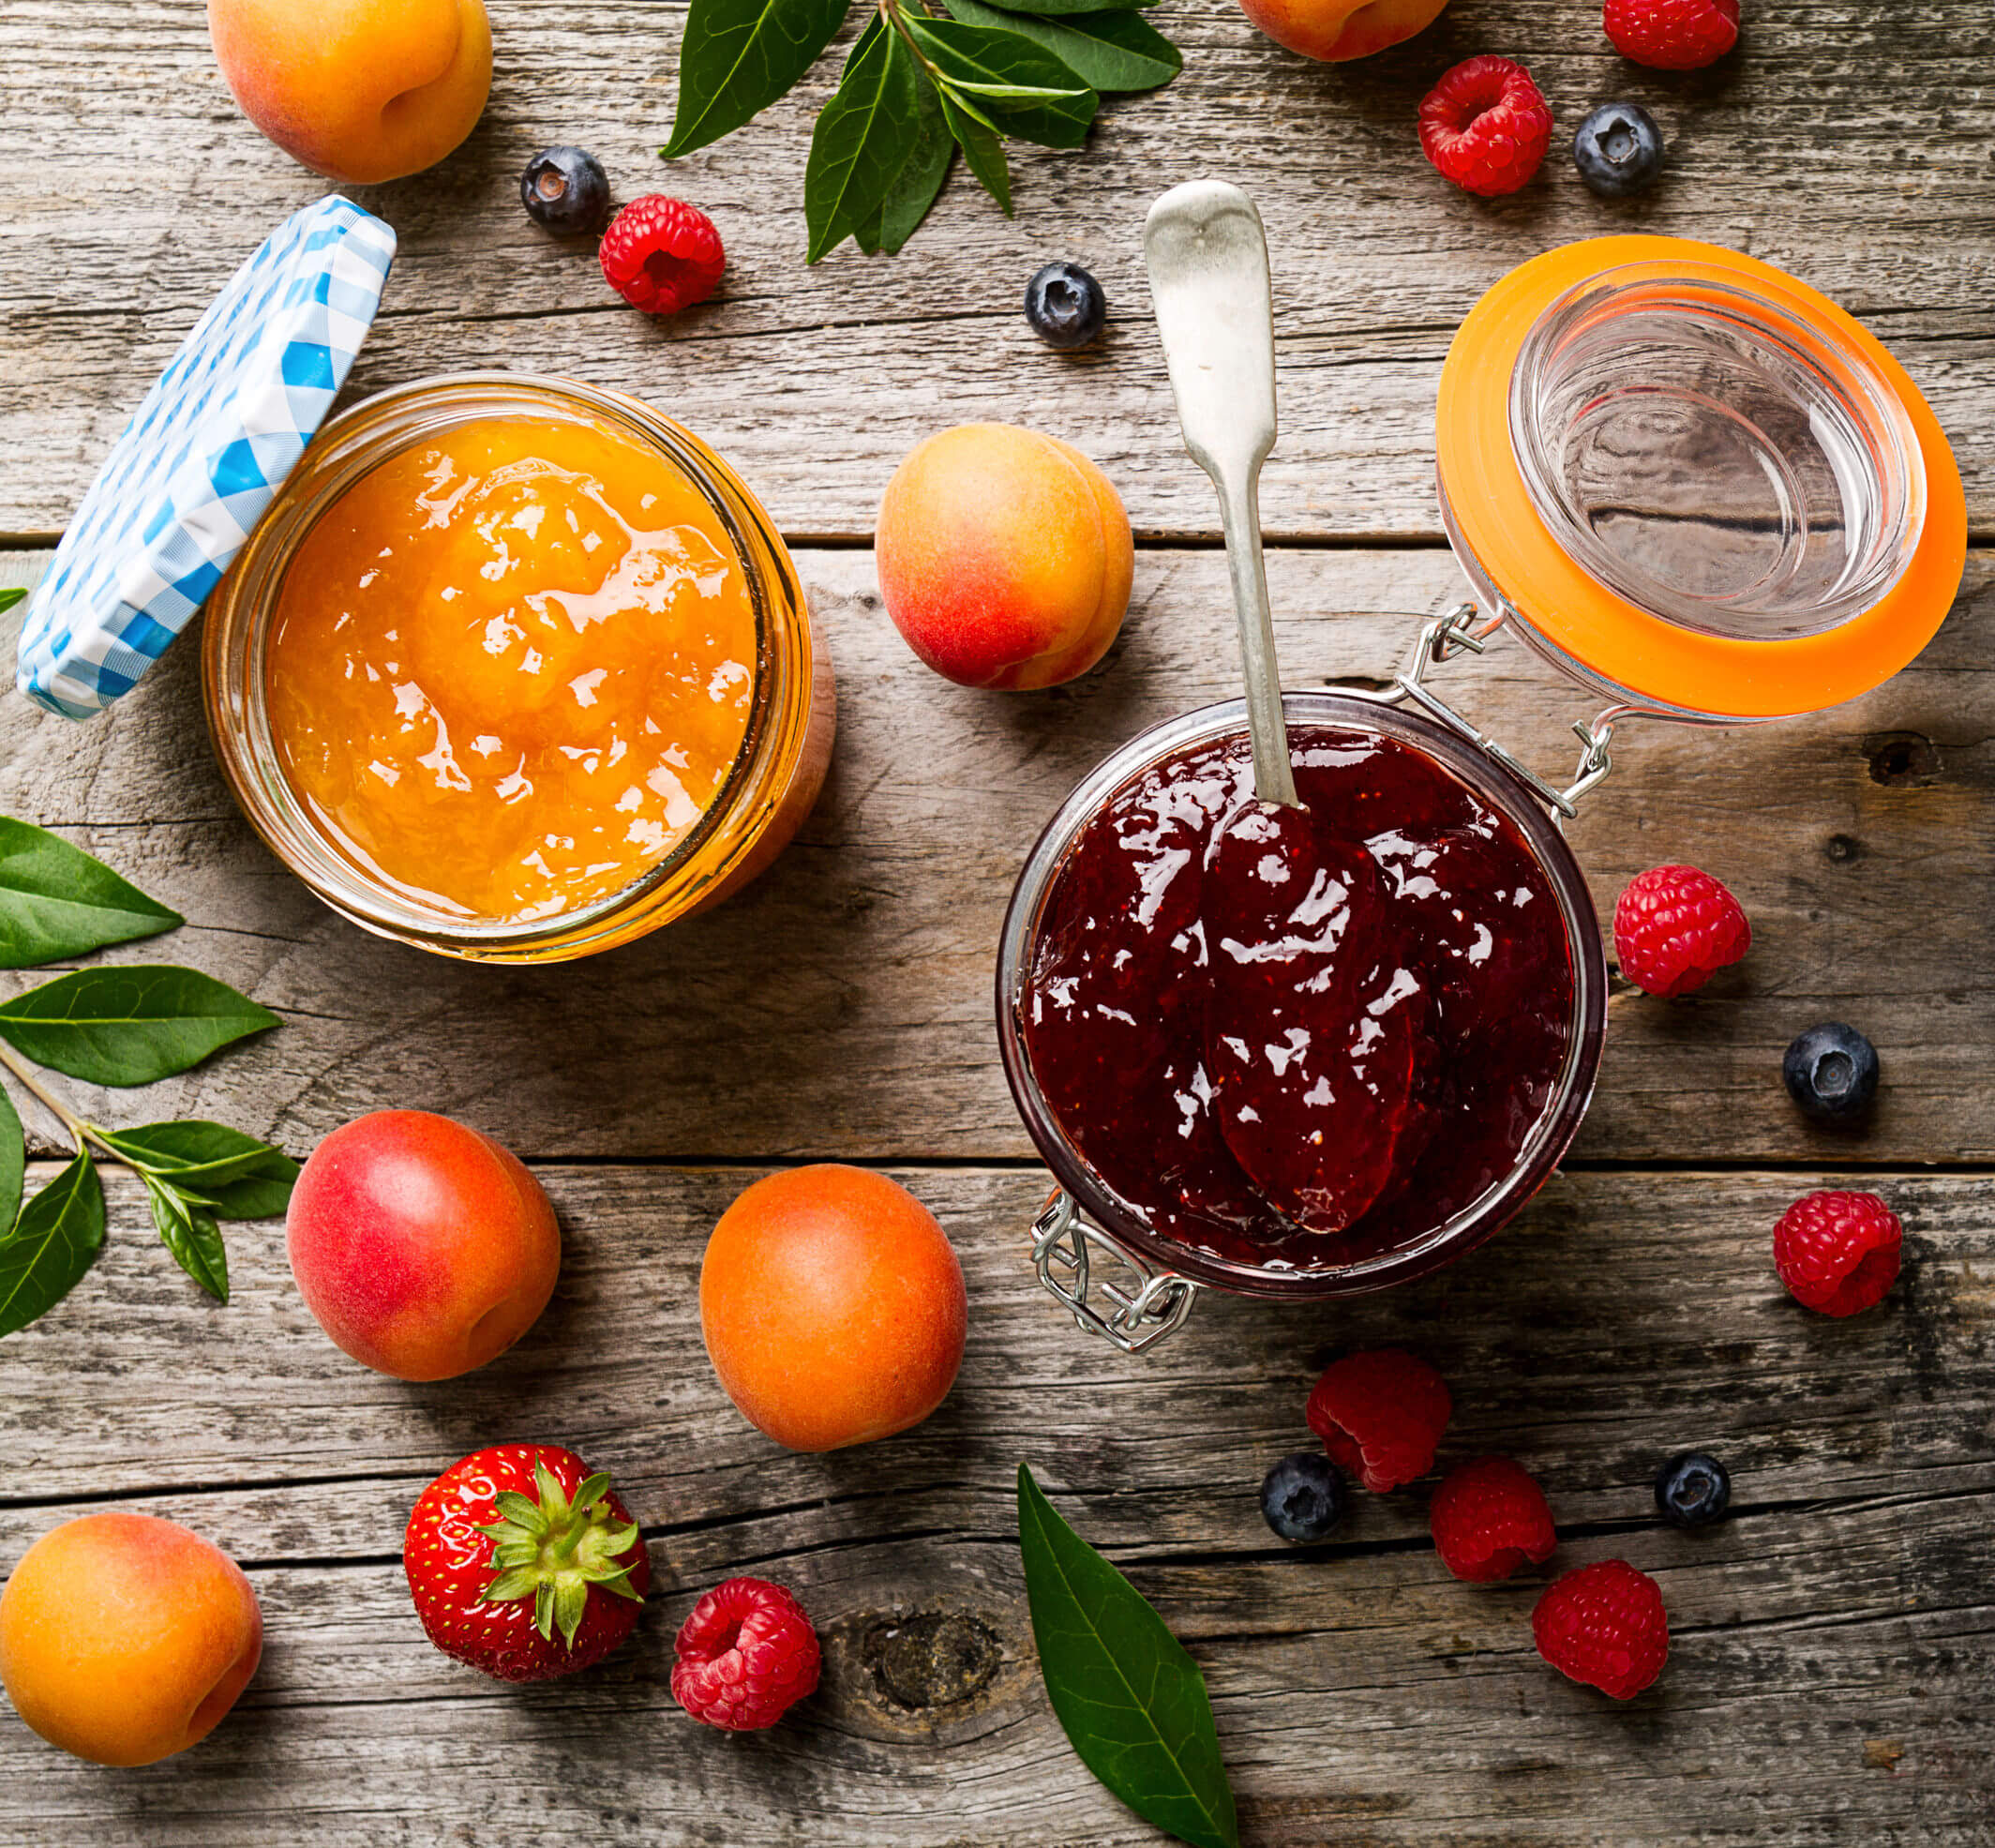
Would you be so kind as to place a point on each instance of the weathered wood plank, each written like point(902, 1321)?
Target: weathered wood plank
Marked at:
point(1833, 144)
point(1832, 1642)
point(1862, 843)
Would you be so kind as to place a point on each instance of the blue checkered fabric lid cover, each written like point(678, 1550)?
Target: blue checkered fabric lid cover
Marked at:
point(197, 465)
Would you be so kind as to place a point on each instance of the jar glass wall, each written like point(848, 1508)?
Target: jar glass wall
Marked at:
point(760, 797)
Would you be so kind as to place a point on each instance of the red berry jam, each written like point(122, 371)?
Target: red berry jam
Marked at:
point(1298, 1036)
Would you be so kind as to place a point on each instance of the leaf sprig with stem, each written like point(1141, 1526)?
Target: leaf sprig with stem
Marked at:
point(917, 85)
point(119, 1026)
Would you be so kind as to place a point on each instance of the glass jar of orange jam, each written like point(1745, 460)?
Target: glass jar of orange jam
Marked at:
point(516, 670)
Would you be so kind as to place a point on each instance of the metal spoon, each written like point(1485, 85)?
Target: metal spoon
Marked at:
point(1207, 258)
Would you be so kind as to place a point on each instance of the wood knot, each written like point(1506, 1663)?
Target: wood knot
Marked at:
point(1843, 847)
point(1903, 759)
point(930, 1659)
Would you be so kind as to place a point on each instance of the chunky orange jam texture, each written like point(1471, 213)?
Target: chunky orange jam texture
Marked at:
point(511, 667)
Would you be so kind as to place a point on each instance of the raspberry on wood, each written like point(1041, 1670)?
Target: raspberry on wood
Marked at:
point(1839, 1253)
point(1674, 928)
point(1604, 1625)
point(746, 1655)
point(1486, 126)
point(1671, 35)
point(662, 255)
point(1380, 1416)
point(1488, 1518)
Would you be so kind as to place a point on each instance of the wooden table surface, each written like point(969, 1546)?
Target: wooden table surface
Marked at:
point(1832, 1643)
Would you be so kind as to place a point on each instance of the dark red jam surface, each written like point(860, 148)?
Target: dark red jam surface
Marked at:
point(1298, 1037)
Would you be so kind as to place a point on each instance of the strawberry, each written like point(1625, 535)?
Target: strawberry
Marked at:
point(514, 1542)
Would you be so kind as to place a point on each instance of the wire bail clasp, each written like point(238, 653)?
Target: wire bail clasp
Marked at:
point(1144, 1304)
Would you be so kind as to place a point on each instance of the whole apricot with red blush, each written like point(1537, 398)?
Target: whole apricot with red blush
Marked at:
point(424, 1248)
point(124, 1638)
point(1004, 557)
point(1337, 31)
point(833, 1306)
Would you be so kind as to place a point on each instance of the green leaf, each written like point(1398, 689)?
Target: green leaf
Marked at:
point(1060, 8)
point(9, 598)
point(255, 1196)
point(57, 901)
point(129, 1025)
point(862, 140)
point(13, 1159)
point(738, 56)
point(187, 1229)
point(921, 178)
point(198, 1153)
point(1133, 1702)
point(983, 152)
point(55, 1239)
point(1008, 81)
point(1111, 50)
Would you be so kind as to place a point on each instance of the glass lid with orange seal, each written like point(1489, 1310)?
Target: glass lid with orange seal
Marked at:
point(1695, 483)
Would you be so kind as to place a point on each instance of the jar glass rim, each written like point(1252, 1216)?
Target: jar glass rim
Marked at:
point(1558, 1123)
point(350, 445)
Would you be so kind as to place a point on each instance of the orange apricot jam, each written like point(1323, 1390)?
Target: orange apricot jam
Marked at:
point(511, 667)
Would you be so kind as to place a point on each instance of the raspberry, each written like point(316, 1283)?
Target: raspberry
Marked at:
point(1489, 1517)
point(746, 1655)
point(1486, 126)
point(1380, 1416)
point(1673, 35)
point(662, 255)
point(1839, 1253)
point(1604, 1625)
point(1675, 927)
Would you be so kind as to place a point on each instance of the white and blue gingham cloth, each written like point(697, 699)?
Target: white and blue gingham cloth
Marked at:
point(201, 459)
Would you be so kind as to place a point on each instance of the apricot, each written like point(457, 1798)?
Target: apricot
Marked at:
point(1004, 557)
point(359, 90)
point(422, 1247)
point(1336, 31)
point(124, 1638)
point(832, 1307)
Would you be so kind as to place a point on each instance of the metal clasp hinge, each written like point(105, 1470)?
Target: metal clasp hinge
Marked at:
point(1465, 629)
point(1144, 1304)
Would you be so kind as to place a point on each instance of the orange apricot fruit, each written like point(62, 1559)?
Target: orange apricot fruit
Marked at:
point(124, 1638)
point(832, 1307)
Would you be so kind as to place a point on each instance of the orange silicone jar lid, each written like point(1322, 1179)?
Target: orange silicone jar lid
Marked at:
point(1644, 657)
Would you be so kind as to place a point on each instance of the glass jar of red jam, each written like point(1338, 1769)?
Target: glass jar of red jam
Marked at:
point(1312, 1053)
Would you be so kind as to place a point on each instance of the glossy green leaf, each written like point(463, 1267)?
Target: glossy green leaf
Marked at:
point(1134, 1703)
point(13, 1159)
point(738, 56)
point(197, 1152)
point(862, 140)
point(55, 1239)
point(255, 1196)
point(10, 597)
point(1107, 50)
point(1007, 82)
point(1061, 8)
point(983, 152)
point(915, 189)
point(57, 901)
point(129, 1025)
point(187, 1229)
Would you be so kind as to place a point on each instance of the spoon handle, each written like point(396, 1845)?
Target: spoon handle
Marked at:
point(1207, 260)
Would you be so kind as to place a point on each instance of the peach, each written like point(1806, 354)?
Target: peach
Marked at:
point(359, 90)
point(124, 1638)
point(424, 1248)
point(1004, 557)
point(1335, 31)
point(832, 1307)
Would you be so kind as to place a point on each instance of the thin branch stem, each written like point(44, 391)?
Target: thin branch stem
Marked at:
point(80, 1132)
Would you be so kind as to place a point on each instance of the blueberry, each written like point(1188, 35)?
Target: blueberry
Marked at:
point(565, 190)
point(1692, 1489)
point(1303, 1497)
point(1618, 150)
point(1831, 1073)
point(1066, 306)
